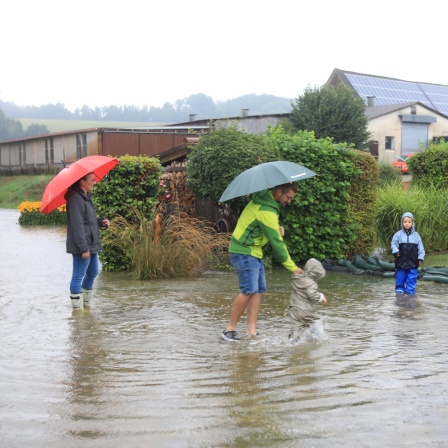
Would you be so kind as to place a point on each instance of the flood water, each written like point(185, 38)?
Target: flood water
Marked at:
point(146, 367)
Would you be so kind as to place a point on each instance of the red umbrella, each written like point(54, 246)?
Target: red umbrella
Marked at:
point(53, 196)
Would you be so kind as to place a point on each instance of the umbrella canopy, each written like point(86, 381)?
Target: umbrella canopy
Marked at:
point(264, 176)
point(53, 196)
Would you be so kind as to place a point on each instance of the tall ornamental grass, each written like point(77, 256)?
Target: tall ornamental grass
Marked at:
point(428, 205)
point(167, 245)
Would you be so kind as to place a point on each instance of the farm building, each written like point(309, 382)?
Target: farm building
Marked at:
point(404, 116)
point(46, 153)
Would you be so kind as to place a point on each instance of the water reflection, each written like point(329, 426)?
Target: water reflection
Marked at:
point(146, 366)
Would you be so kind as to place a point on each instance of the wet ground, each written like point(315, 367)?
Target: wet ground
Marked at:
point(146, 366)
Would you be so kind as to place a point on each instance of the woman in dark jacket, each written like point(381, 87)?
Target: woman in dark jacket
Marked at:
point(83, 240)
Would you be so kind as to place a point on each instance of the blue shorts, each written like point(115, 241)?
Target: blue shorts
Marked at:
point(251, 275)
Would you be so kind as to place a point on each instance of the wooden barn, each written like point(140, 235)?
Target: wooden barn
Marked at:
point(48, 153)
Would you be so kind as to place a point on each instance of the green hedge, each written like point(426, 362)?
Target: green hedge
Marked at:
point(133, 184)
point(429, 168)
point(332, 215)
point(35, 217)
point(220, 156)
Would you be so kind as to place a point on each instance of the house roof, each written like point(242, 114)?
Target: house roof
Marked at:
point(378, 111)
point(387, 91)
point(206, 121)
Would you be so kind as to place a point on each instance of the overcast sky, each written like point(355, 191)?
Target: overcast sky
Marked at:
point(143, 52)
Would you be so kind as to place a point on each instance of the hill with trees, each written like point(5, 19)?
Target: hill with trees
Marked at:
point(201, 105)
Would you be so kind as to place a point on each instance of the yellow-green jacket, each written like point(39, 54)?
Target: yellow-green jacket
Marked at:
point(257, 225)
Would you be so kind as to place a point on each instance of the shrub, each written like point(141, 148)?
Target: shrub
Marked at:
point(332, 215)
point(220, 156)
point(429, 168)
point(363, 202)
point(321, 221)
point(388, 175)
point(30, 215)
point(134, 183)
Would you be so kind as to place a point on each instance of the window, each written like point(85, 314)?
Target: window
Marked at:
point(49, 150)
point(78, 147)
point(22, 154)
point(84, 145)
point(81, 145)
point(389, 143)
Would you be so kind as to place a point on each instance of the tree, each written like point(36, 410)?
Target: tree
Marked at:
point(9, 128)
point(35, 129)
point(201, 104)
point(256, 105)
point(332, 112)
point(50, 111)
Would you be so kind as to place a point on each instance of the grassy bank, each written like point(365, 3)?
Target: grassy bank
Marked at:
point(17, 189)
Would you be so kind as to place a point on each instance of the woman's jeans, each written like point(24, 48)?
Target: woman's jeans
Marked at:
point(84, 273)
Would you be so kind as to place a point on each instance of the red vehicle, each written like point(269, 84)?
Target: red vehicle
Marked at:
point(401, 163)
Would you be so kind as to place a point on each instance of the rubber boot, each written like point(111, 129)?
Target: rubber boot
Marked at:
point(86, 296)
point(77, 302)
point(294, 336)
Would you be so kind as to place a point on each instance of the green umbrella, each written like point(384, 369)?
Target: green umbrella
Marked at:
point(264, 176)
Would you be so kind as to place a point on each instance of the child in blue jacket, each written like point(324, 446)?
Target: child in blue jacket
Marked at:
point(409, 253)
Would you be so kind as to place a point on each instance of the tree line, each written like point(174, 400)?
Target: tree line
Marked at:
point(200, 105)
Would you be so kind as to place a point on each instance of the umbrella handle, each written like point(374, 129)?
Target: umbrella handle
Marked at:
point(100, 215)
point(102, 219)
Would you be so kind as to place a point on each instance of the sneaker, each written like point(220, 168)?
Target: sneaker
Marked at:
point(231, 336)
point(399, 291)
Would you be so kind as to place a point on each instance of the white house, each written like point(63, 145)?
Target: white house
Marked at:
point(401, 129)
point(404, 116)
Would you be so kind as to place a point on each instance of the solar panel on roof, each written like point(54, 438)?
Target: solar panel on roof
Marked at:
point(393, 91)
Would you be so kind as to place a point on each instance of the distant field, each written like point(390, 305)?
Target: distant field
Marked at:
point(73, 125)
